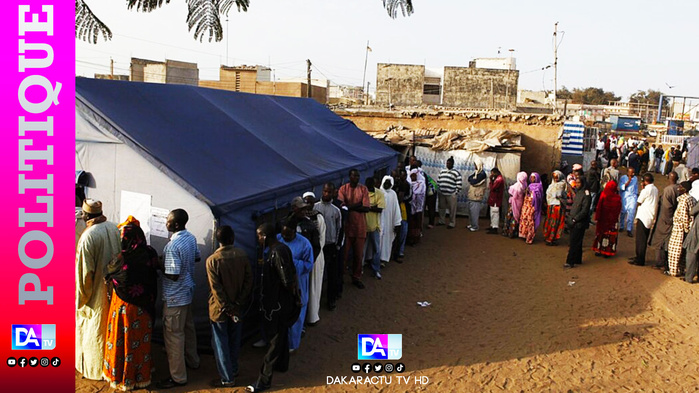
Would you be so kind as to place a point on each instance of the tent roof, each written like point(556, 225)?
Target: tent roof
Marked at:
point(231, 148)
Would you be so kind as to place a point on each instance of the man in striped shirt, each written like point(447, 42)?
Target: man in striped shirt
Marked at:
point(178, 287)
point(449, 187)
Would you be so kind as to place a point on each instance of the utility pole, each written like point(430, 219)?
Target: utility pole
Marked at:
point(555, 67)
point(308, 88)
point(227, 41)
point(366, 58)
point(366, 96)
point(111, 68)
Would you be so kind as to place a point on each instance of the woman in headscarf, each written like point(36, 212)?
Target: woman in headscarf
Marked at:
point(417, 205)
point(133, 280)
point(531, 209)
point(476, 191)
point(607, 217)
point(570, 191)
point(514, 212)
point(390, 218)
point(681, 223)
point(555, 213)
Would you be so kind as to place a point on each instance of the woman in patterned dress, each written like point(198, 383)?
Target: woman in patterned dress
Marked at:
point(555, 213)
point(607, 217)
point(681, 223)
point(127, 358)
point(531, 209)
point(514, 212)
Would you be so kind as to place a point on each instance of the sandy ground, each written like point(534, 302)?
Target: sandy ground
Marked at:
point(503, 318)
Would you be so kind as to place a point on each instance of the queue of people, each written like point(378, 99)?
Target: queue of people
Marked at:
point(351, 229)
point(360, 226)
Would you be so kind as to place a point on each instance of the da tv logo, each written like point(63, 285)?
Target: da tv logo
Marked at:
point(379, 346)
point(33, 337)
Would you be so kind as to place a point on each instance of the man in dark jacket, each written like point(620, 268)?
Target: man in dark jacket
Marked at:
point(578, 221)
point(230, 281)
point(280, 304)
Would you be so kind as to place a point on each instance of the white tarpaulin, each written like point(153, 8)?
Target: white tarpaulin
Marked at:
point(434, 161)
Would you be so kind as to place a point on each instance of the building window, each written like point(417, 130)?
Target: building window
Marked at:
point(431, 89)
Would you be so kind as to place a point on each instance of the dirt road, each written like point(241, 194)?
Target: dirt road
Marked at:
point(505, 316)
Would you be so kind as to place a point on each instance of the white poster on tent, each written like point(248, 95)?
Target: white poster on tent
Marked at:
point(158, 218)
point(137, 205)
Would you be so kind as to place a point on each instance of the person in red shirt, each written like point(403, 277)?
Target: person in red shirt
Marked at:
point(355, 199)
point(497, 187)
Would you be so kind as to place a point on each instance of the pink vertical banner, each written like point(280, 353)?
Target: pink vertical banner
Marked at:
point(37, 283)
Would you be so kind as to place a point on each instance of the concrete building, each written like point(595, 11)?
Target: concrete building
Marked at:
point(169, 71)
point(257, 80)
point(432, 87)
point(532, 97)
point(481, 88)
point(494, 63)
point(344, 93)
point(463, 87)
point(400, 84)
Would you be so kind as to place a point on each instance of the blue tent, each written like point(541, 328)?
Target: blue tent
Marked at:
point(238, 157)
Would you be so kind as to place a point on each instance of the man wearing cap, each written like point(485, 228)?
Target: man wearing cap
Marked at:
point(302, 254)
point(98, 245)
point(316, 277)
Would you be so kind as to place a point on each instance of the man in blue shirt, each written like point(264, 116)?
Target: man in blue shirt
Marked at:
point(178, 287)
point(302, 253)
point(628, 188)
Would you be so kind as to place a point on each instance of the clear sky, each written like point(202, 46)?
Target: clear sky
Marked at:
point(618, 45)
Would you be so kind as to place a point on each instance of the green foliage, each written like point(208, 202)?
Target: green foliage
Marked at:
point(649, 96)
point(588, 95)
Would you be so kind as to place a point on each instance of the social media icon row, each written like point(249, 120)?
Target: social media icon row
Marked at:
point(33, 362)
point(378, 368)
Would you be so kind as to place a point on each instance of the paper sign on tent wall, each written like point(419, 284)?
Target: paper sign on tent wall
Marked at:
point(158, 218)
point(136, 205)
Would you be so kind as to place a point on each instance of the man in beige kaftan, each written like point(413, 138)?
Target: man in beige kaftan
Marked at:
point(98, 244)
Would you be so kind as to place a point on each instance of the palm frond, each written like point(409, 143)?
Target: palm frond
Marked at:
point(392, 6)
point(226, 5)
point(146, 5)
point(204, 18)
point(87, 26)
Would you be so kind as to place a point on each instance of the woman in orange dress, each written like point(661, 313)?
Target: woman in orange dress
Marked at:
point(133, 278)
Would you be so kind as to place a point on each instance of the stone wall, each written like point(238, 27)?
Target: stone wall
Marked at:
point(399, 84)
point(539, 132)
point(468, 87)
